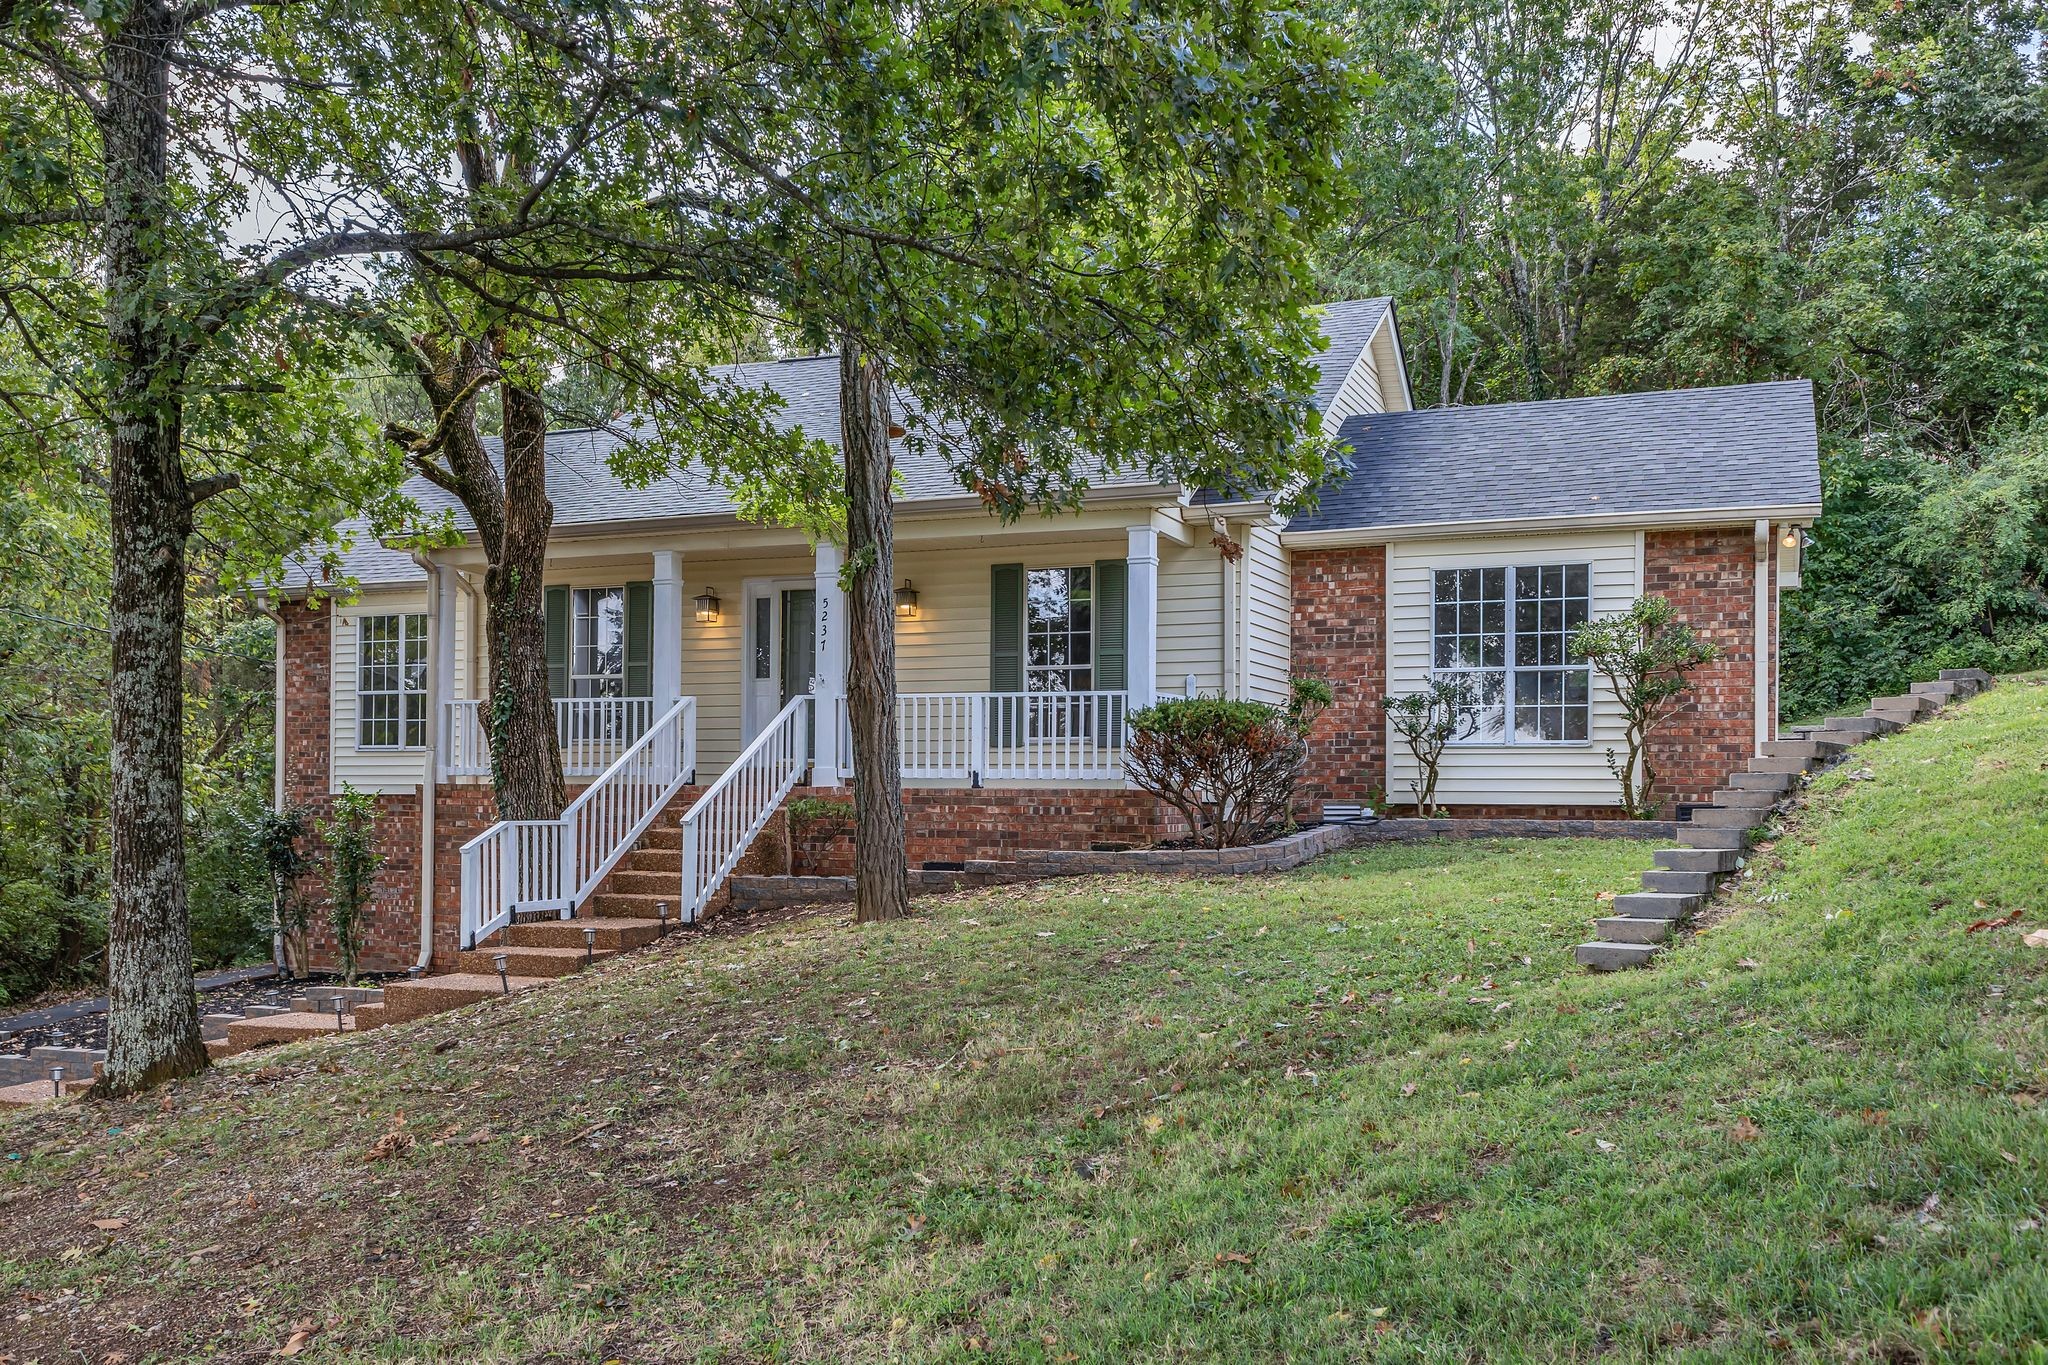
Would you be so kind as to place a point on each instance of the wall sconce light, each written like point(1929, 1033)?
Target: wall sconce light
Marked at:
point(707, 606)
point(1791, 540)
point(906, 601)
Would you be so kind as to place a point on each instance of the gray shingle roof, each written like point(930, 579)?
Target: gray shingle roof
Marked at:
point(1686, 450)
point(587, 494)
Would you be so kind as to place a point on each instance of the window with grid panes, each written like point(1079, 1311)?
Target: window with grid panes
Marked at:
point(1507, 631)
point(391, 681)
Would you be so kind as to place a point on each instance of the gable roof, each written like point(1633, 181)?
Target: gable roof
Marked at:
point(1742, 448)
point(588, 496)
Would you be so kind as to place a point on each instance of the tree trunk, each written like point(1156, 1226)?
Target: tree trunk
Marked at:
point(526, 755)
point(880, 887)
point(152, 1016)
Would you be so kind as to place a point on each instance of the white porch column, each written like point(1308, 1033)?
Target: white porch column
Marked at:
point(1141, 623)
point(667, 635)
point(830, 688)
point(441, 669)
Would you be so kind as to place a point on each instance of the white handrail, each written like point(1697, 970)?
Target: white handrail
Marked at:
point(593, 732)
point(553, 864)
point(725, 819)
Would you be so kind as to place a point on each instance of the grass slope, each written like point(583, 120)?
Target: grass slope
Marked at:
point(1364, 1111)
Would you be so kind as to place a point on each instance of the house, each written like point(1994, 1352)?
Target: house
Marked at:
point(698, 661)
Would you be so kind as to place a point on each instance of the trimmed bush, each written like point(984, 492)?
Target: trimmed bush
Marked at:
point(1230, 767)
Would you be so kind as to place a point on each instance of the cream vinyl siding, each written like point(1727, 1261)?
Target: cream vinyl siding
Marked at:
point(1501, 774)
point(1361, 391)
point(711, 649)
point(1385, 359)
point(370, 770)
point(1190, 616)
point(1268, 605)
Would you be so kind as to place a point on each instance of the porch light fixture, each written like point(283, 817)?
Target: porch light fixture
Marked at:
point(906, 601)
point(707, 606)
point(1791, 540)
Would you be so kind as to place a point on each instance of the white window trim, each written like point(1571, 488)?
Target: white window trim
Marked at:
point(1508, 738)
point(576, 650)
point(404, 619)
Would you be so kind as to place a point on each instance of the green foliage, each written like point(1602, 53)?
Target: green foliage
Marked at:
point(1443, 712)
point(1228, 766)
point(1645, 654)
point(811, 810)
point(349, 833)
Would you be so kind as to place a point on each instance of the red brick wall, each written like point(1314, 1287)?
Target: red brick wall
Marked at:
point(1339, 635)
point(1710, 577)
point(956, 824)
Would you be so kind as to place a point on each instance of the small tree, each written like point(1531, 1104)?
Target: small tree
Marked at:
point(1228, 766)
point(276, 836)
point(1644, 654)
point(350, 832)
point(1427, 721)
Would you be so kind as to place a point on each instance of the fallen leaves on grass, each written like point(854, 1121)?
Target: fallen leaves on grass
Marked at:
point(2000, 922)
point(1744, 1130)
point(1233, 1258)
point(2037, 939)
point(396, 1142)
point(110, 1224)
point(300, 1339)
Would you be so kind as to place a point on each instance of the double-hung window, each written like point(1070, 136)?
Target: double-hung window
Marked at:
point(1059, 649)
point(391, 681)
point(1507, 632)
point(597, 660)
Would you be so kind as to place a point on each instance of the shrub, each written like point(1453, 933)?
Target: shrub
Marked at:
point(275, 835)
point(1644, 654)
point(1228, 766)
point(1427, 721)
point(350, 833)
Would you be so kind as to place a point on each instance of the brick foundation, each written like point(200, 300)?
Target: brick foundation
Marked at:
point(1710, 576)
point(1339, 635)
point(956, 824)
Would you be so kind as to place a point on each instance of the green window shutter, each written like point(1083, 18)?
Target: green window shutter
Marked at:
point(1006, 628)
point(558, 641)
point(1111, 575)
point(640, 639)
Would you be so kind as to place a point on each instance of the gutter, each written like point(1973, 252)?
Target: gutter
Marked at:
point(1573, 521)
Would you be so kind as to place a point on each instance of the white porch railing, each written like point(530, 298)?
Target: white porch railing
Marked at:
point(725, 819)
point(1034, 736)
point(553, 864)
point(593, 733)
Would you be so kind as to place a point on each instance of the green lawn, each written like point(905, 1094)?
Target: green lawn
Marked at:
point(1368, 1110)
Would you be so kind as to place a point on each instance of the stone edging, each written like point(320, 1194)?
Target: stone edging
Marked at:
point(1281, 855)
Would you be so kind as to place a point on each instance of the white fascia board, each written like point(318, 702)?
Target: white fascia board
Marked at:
point(1674, 520)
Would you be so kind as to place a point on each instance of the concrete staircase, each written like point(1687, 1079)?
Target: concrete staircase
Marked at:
point(1711, 845)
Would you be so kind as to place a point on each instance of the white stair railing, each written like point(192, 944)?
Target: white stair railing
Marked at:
point(725, 819)
point(518, 865)
point(593, 733)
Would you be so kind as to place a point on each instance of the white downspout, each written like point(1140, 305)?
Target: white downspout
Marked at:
point(277, 801)
point(439, 623)
point(1762, 647)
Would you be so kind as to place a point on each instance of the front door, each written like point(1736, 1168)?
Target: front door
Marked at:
point(781, 649)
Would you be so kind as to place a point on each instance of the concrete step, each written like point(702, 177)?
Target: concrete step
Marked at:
point(1746, 798)
point(1628, 929)
point(528, 961)
point(1909, 705)
point(290, 1027)
point(28, 1094)
point(1777, 763)
point(1942, 691)
point(1726, 817)
point(1763, 782)
point(1697, 859)
point(1614, 957)
point(1700, 836)
point(1656, 904)
point(1863, 725)
point(637, 883)
point(625, 905)
point(368, 1017)
point(1975, 675)
point(613, 935)
point(433, 994)
point(1684, 883)
point(1809, 747)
